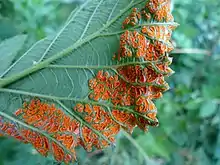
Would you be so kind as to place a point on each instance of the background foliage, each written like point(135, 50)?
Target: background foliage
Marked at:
point(189, 113)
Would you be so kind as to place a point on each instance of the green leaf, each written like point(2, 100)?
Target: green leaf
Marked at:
point(202, 157)
point(208, 108)
point(12, 153)
point(193, 104)
point(184, 77)
point(140, 148)
point(7, 29)
point(153, 146)
point(211, 91)
point(9, 49)
point(57, 69)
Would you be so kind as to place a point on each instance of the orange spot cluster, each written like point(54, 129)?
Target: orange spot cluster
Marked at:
point(10, 129)
point(132, 44)
point(161, 33)
point(124, 93)
point(66, 133)
point(136, 45)
point(146, 106)
point(139, 74)
point(99, 120)
point(50, 120)
point(133, 19)
point(128, 120)
point(160, 9)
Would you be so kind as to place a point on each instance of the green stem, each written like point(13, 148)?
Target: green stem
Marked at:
point(138, 147)
point(151, 63)
point(139, 26)
point(99, 67)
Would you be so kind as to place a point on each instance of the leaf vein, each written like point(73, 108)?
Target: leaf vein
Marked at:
point(90, 19)
point(72, 83)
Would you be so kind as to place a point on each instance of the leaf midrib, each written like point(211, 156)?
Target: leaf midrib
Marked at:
point(77, 44)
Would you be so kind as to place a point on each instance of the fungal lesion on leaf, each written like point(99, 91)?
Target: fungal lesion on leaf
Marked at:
point(137, 85)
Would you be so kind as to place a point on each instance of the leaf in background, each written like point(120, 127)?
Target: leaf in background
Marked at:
point(177, 159)
point(184, 77)
point(211, 91)
point(7, 29)
point(208, 108)
point(9, 49)
point(12, 153)
point(189, 62)
point(140, 148)
point(217, 148)
point(58, 110)
point(193, 104)
point(201, 157)
point(153, 147)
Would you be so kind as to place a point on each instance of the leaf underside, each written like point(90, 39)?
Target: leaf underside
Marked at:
point(67, 91)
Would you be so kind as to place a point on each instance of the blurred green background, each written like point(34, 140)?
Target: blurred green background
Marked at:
point(189, 113)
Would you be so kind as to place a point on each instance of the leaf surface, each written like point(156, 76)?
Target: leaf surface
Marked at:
point(71, 77)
